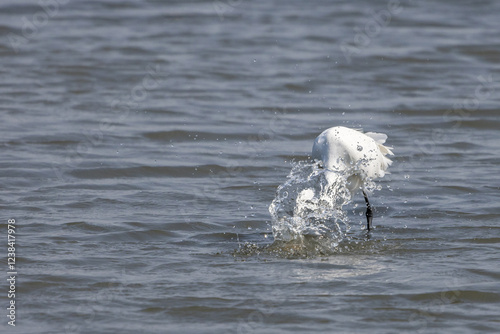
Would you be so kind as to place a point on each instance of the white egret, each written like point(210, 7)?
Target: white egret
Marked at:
point(361, 155)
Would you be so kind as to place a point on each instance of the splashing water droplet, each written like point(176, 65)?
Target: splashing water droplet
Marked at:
point(309, 207)
point(360, 148)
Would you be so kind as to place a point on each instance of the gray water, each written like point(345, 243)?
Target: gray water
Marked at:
point(142, 143)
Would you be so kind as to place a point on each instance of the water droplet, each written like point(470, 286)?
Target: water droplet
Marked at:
point(285, 194)
point(407, 176)
point(360, 148)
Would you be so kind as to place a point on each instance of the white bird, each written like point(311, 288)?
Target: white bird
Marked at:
point(361, 155)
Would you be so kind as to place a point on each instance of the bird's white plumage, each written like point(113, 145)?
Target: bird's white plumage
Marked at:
point(342, 149)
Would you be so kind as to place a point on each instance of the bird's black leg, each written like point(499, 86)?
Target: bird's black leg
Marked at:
point(369, 213)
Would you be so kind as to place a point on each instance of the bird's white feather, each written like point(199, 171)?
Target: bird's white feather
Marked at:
point(378, 137)
point(341, 148)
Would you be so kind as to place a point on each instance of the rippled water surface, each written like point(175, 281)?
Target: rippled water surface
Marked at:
point(142, 143)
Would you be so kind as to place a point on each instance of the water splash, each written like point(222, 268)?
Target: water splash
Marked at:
point(307, 209)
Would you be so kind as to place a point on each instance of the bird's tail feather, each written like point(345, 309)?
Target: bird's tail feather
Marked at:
point(380, 139)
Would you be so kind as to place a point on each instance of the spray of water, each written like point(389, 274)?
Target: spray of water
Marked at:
point(308, 208)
